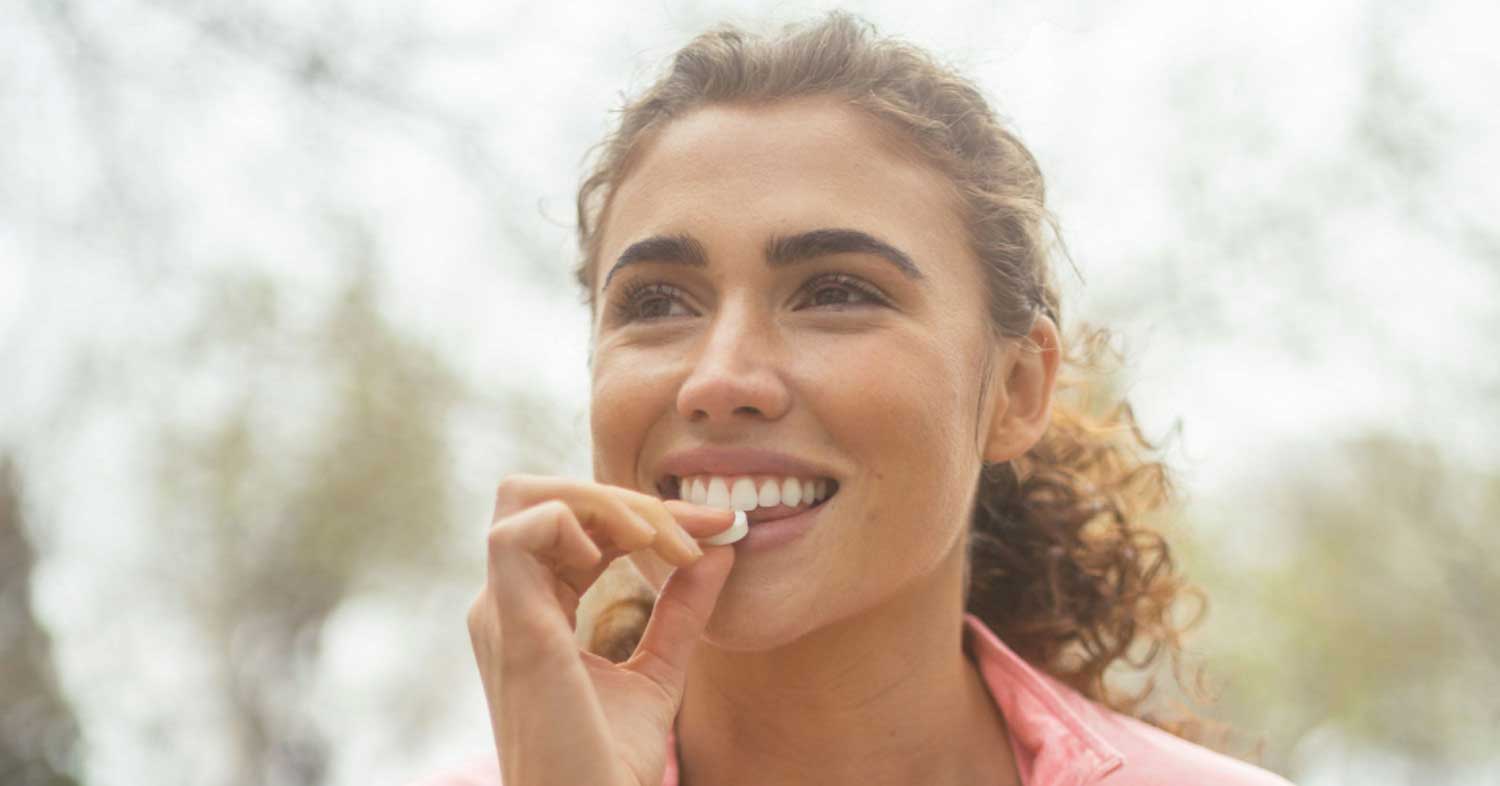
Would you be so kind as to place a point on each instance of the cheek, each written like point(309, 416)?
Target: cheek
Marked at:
point(905, 408)
point(907, 414)
point(625, 398)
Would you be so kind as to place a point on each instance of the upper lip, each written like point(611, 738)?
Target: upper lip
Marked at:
point(712, 460)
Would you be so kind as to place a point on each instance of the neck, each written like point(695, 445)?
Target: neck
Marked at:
point(885, 697)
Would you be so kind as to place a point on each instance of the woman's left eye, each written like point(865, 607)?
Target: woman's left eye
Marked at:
point(838, 290)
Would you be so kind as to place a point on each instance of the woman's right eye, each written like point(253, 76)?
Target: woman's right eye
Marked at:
point(642, 302)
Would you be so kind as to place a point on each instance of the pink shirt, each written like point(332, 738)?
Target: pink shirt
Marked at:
point(1059, 737)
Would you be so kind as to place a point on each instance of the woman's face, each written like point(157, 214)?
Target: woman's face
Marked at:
point(722, 323)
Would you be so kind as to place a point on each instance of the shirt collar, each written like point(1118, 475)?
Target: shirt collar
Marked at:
point(1053, 745)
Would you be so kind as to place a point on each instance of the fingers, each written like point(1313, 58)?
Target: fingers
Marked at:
point(682, 522)
point(675, 525)
point(682, 611)
point(531, 554)
point(698, 520)
point(602, 514)
point(550, 539)
point(678, 547)
point(554, 537)
point(549, 531)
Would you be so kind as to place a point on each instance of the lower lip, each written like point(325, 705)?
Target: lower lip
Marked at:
point(770, 534)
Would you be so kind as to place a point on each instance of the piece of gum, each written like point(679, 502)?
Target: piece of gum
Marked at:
point(738, 530)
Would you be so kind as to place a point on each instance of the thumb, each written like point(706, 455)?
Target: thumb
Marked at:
point(682, 610)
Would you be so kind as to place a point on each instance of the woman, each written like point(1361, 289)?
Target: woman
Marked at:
point(821, 293)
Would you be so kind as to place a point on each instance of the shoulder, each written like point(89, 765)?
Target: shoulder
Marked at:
point(477, 770)
point(1159, 758)
point(1061, 736)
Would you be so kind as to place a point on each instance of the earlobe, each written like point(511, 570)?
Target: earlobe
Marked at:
point(1022, 406)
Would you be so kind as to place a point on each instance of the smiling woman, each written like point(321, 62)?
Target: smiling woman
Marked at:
point(821, 290)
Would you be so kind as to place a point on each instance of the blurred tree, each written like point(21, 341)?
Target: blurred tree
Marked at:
point(276, 524)
point(1371, 614)
point(299, 469)
point(39, 737)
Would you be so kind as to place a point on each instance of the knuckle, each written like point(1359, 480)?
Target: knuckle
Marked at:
point(556, 510)
point(504, 534)
point(508, 490)
point(645, 505)
point(479, 614)
point(500, 537)
point(656, 509)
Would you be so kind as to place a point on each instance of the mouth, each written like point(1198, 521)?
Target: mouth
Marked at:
point(762, 497)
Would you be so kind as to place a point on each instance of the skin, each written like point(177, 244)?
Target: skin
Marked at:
point(836, 658)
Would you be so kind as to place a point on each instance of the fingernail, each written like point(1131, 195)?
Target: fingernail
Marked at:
point(644, 527)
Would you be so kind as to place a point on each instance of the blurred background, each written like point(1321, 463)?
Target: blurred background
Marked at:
point(284, 291)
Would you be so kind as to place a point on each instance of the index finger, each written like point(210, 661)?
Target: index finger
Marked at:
point(655, 510)
point(700, 521)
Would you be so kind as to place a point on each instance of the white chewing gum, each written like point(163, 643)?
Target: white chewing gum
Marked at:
point(737, 531)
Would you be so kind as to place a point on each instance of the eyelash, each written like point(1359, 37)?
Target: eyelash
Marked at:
point(627, 307)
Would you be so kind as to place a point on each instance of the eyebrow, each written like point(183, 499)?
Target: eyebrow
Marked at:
point(781, 250)
point(671, 249)
point(790, 249)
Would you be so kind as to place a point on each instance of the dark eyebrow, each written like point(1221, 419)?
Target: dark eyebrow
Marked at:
point(672, 249)
point(781, 250)
point(789, 249)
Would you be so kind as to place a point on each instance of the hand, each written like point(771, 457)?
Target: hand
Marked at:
point(561, 714)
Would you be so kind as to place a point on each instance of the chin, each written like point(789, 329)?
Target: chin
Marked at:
point(761, 636)
point(745, 620)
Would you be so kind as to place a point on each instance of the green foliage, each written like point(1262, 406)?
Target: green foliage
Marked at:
point(273, 516)
point(1374, 613)
point(39, 736)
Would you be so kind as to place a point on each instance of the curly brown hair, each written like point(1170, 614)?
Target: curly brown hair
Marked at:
point(1064, 564)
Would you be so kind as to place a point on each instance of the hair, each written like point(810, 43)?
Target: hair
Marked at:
point(1063, 564)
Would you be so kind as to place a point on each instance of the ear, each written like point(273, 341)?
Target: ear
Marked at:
point(1023, 380)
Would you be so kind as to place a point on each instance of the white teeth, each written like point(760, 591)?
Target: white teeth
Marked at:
point(718, 493)
point(742, 496)
point(770, 494)
point(791, 491)
point(741, 492)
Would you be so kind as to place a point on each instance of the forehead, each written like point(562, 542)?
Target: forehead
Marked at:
point(729, 173)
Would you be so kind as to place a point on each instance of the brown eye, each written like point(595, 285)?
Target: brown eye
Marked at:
point(838, 290)
point(828, 296)
point(642, 302)
point(653, 307)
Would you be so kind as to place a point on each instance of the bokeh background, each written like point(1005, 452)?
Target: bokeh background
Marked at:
point(284, 291)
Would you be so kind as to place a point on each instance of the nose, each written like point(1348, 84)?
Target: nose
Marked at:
point(735, 375)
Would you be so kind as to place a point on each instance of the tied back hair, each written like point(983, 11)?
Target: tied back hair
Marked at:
point(1064, 563)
